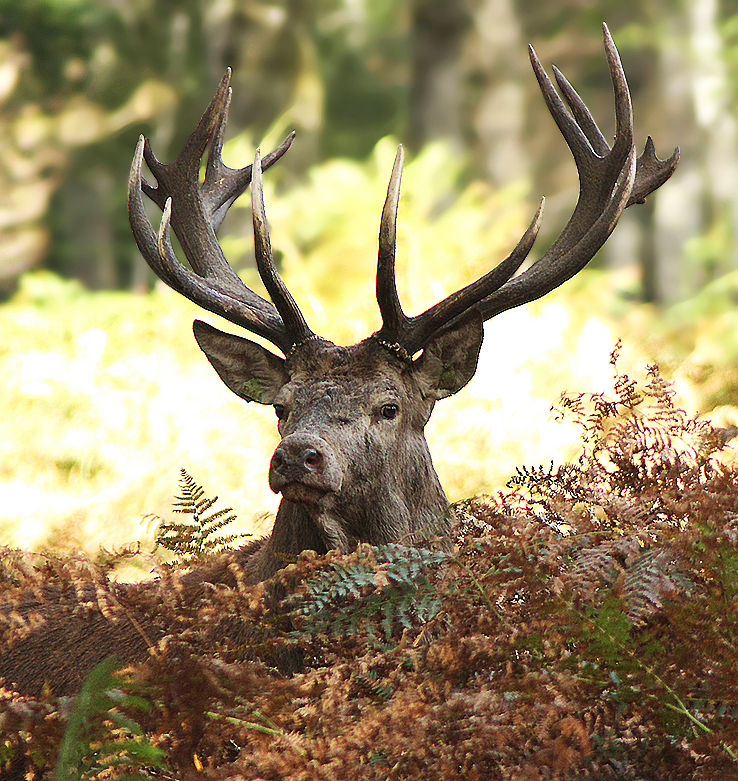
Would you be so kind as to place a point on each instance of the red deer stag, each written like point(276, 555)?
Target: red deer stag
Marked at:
point(353, 464)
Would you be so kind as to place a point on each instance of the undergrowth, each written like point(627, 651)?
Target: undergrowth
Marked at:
point(101, 734)
point(387, 585)
point(586, 627)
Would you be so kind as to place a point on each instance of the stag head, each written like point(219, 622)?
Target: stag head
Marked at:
point(353, 464)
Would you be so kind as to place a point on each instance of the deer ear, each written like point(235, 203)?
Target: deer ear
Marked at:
point(449, 360)
point(249, 370)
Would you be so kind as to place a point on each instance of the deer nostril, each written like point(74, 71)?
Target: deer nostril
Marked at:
point(294, 462)
point(312, 459)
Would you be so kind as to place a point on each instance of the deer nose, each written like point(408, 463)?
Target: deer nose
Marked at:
point(304, 460)
point(294, 460)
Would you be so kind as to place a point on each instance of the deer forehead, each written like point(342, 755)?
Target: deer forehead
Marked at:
point(342, 393)
point(335, 389)
point(356, 374)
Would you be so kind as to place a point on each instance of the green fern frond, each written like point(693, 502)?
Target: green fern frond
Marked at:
point(102, 735)
point(193, 538)
point(385, 588)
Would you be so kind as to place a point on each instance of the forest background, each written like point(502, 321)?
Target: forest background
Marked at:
point(104, 395)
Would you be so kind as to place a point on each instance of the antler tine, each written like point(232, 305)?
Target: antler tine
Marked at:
point(198, 210)
point(597, 164)
point(606, 179)
point(651, 172)
point(195, 212)
point(294, 322)
point(257, 315)
point(610, 179)
point(222, 184)
point(187, 164)
point(582, 117)
point(393, 318)
point(413, 332)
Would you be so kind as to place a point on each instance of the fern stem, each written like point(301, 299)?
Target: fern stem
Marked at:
point(682, 708)
point(247, 724)
point(270, 728)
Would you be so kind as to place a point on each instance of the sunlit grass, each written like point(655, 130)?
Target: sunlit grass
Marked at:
point(105, 397)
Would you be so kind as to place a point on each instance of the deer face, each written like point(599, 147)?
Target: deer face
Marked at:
point(353, 450)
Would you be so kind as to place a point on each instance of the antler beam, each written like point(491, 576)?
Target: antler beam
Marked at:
point(195, 211)
point(610, 180)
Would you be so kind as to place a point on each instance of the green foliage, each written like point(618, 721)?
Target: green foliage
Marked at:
point(85, 77)
point(54, 31)
point(101, 735)
point(389, 587)
point(193, 538)
point(365, 99)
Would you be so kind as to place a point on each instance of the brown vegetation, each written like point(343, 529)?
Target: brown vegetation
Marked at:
point(585, 628)
point(412, 661)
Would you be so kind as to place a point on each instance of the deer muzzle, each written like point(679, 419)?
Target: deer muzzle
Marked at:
point(304, 468)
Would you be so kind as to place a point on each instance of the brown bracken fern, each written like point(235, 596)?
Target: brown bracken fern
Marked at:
point(585, 628)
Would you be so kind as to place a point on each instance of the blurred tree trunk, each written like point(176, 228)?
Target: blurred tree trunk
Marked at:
point(438, 29)
point(703, 200)
point(677, 210)
point(466, 82)
point(495, 60)
point(84, 235)
point(716, 122)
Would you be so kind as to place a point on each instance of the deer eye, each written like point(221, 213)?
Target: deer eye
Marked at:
point(279, 410)
point(389, 411)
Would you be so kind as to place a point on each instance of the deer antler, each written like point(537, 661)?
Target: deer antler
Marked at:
point(195, 211)
point(610, 180)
